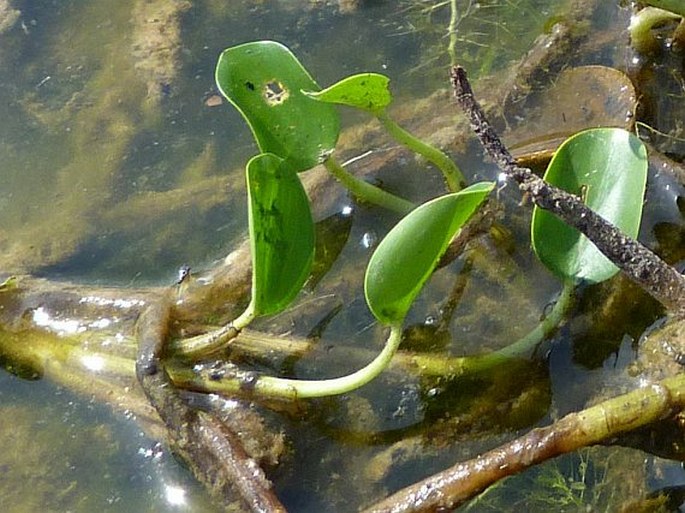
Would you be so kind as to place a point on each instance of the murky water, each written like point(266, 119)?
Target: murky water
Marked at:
point(118, 167)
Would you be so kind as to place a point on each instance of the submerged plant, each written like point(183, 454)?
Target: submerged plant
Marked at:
point(296, 127)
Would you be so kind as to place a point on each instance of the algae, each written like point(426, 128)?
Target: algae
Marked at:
point(8, 15)
point(114, 105)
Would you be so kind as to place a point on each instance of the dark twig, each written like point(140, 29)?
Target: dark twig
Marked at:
point(640, 264)
point(212, 450)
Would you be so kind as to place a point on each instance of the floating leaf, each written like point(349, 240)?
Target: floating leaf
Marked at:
point(366, 91)
point(264, 81)
point(607, 167)
point(281, 233)
point(407, 256)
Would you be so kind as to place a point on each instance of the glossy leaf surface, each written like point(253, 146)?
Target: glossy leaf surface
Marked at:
point(407, 256)
point(281, 233)
point(264, 81)
point(366, 91)
point(607, 167)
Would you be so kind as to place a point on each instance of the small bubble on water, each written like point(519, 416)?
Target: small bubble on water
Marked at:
point(432, 392)
point(369, 240)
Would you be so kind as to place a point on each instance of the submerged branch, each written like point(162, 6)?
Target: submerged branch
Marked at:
point(212, 450)
point(640, 264)
point(452, 487)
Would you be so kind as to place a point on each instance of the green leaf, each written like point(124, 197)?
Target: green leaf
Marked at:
point(407, 256)
point(264, 81)
point(281, 233)
point(607, 167)
point(366, 91)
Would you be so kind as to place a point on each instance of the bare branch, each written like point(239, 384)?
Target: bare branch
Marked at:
point(640, 264)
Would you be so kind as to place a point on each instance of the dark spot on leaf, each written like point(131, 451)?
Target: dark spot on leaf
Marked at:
point(250, 85)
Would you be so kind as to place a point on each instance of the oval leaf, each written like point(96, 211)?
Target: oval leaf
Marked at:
point(607, 167)
point(407, 256)
point(281, 233)
point(264, 81)
point(366, 91)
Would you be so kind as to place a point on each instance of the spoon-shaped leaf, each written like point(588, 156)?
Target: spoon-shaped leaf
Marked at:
point(366, 91)
point(264, 81)
point(407, 256)
point(281, 233)
point(607, 167)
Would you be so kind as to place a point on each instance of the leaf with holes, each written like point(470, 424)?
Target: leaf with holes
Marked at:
point(407, 256)
point(366, 91)
point(281, 233)
point(264, 81)
point(607, 167)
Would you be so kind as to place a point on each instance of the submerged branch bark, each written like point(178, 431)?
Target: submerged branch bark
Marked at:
point(452, 487)
point(214, 453)
point(640, 264)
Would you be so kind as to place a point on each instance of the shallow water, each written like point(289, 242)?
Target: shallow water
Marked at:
point(103, 143)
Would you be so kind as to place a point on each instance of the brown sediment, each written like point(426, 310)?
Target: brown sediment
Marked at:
point(157, 42)
point(8, 15)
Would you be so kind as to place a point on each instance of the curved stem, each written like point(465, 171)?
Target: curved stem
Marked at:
point(641, 25)
point(420, 364)
point(208, 343)
point(675, 6)
point(367, 192)
point(525, 346)
point(286, 388)
point(454, 178)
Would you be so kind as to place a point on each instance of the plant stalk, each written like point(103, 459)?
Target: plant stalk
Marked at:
point(452, 31)
point(450, 488)
point(292, 389)
point(454, 178)
point(525, 346)
point(675, 6)
point(367, 192)
point(208, 343)
point(641, 25)
point(420, 364)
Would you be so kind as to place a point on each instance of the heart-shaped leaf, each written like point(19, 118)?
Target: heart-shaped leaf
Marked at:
point(264, 81)
point(607, 167)
point(407, 256)
point(366, 91)
point(281, 233)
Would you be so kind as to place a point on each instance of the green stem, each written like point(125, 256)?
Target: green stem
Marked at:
point(367, 192)
point(208, 343)
point(258, 344)
point(286, 388)
point(641, 25)
point(452, 31)
point(454, 178)
point(525, 346)
point(675, 6)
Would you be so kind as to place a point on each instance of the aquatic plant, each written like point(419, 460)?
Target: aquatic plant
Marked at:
point(645, 20)
point(674, 6)
point(296, 127)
